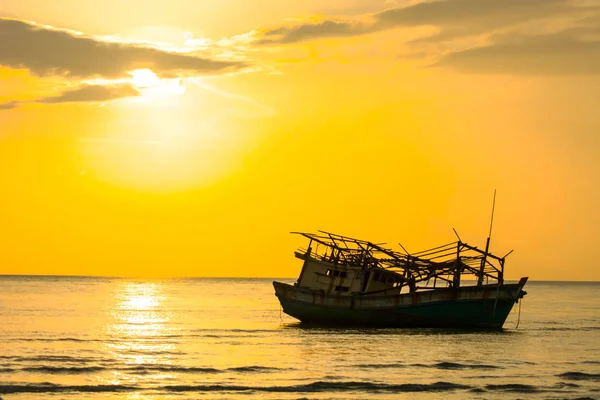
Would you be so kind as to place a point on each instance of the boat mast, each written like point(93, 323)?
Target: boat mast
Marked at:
point(487, 244)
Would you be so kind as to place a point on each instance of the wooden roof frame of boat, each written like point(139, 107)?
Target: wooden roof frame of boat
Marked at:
point(448, 262)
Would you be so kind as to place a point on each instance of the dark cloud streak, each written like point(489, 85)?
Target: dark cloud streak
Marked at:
point(460, 12)
point(508, 26)
point(82, 94)
point(48, 51)
point(93, 93)
point(9, 105)
point(560, 53)
point(327, 28)
point(473, 16)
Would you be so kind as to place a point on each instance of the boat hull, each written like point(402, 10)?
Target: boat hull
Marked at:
point(484, 306)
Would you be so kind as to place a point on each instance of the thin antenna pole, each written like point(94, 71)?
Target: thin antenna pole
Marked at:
point(492, 219)
point(456, 233)
point(487, 245)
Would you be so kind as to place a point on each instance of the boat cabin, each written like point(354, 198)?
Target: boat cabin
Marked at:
point(330, 277)
point(334, 264)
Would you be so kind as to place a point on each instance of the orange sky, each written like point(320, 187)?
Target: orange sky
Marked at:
point(188, 138)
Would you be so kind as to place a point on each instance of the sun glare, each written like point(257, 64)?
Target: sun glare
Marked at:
point(152, 87)
point(144, 78)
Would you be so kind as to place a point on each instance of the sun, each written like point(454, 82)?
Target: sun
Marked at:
point(144, 78)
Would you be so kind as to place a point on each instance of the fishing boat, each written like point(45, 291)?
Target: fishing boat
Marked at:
point(348, 281)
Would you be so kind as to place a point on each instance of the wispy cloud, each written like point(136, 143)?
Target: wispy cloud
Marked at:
point(46, 50)
point(9, 105)
point(93, 93)
point(489, 13)
point(315, 30)
point(83, 94)
point(477, 36)
point(570, 52)
point(445, 14)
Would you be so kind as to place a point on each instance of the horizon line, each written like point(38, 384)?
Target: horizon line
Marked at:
point(142, 277)
point(219, 277)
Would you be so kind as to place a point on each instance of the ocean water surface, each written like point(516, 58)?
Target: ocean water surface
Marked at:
point(113, 338)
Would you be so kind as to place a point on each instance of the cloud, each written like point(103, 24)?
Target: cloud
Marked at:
point(461, 12)
point(566, 52)
point(308, 31)
point(82, 94)
point(45, 50)
point(9, 105)
point(93, 93)
point(467, 16)
point(541, 37)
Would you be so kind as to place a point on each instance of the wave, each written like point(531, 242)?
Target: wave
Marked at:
point(208, 370)
point(236, 330)
point(63, 370)
point(440, 365)
point(452, 365)
point(566, 328)
point(54, 388)
point(320, 386)
point(138, 369)
point(562, 385)
point(325, 386)
point(253, 368)
point(153, 352)
point(514, 388)
point(51, 358)
point(477, 390)
point(394, 365)
point(195, 333)
point(65, 339)
point(579, 376)
point(214, 336)
point(141, 369)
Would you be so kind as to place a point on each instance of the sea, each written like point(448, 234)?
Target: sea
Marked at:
point(200, 338)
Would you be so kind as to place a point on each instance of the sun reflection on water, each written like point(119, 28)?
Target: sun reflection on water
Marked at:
point(142, 302)
point(139, 332)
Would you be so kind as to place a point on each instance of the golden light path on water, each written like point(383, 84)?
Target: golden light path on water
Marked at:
point(138, 332)
point(154, 337)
